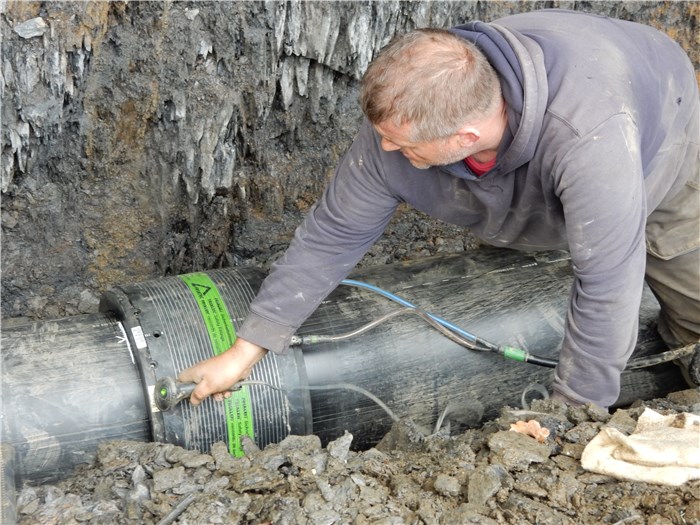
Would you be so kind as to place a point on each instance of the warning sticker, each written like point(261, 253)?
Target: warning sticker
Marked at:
point(238, 408)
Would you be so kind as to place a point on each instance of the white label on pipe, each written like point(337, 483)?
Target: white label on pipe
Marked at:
point(139, 339)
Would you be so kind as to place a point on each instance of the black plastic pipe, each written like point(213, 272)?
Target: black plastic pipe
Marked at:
point(67, 385)
point(503, 296)
point(71, 384)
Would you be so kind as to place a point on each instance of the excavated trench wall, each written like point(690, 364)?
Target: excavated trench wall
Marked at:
point(142, 139)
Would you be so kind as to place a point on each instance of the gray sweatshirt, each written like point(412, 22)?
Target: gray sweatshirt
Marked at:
point(597, 116)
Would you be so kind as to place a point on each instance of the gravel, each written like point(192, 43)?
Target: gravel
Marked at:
point(485, 475)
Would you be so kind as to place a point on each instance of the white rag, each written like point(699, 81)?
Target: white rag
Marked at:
point(662, 449)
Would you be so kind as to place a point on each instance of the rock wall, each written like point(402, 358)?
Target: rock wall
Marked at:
point(142, 139)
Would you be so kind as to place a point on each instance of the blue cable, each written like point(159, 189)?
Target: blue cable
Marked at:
point(509, 352)
point(403, 302)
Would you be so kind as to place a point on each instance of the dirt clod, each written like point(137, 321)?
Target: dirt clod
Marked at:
point(486, 475)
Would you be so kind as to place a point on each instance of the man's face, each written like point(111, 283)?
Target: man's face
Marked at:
point(421, 155)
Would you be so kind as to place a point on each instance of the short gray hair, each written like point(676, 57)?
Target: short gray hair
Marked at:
point(431, 79)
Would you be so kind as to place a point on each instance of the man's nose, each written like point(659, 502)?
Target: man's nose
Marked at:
point(387, 145)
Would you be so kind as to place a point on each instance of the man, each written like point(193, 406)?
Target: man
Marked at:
point(544, 130)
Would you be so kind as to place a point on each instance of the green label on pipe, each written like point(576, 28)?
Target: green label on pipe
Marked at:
point(222, 334)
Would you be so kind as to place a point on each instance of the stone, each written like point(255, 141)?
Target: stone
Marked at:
point(485, 482)
point(168, 478)
point(517, 451)
point(447, 485)
point(31, 28)
point(340, 448)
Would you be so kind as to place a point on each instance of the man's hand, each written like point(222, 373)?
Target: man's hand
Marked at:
point(218, 374)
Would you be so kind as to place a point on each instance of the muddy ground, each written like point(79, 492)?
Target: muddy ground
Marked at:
point(486, 475)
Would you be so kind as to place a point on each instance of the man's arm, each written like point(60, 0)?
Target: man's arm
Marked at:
point(601, 187)
point(351, 215)
point(339, 229)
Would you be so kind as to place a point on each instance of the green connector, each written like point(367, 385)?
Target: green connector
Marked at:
point(516, 354)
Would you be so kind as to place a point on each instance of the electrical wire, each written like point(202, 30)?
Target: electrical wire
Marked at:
point(664, 357)
point(509, 352)
point(330, 386)
point(533, 387)
point(457, 338)
point(403, 302)
point(467, 339)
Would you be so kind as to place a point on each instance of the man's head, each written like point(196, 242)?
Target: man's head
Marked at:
point(431, 80)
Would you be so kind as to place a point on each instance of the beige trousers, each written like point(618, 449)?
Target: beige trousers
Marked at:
point(673, 261)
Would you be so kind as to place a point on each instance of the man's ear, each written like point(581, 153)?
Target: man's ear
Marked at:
point(468, 136)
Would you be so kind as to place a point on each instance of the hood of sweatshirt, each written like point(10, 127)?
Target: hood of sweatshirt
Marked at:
point(519, 62)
